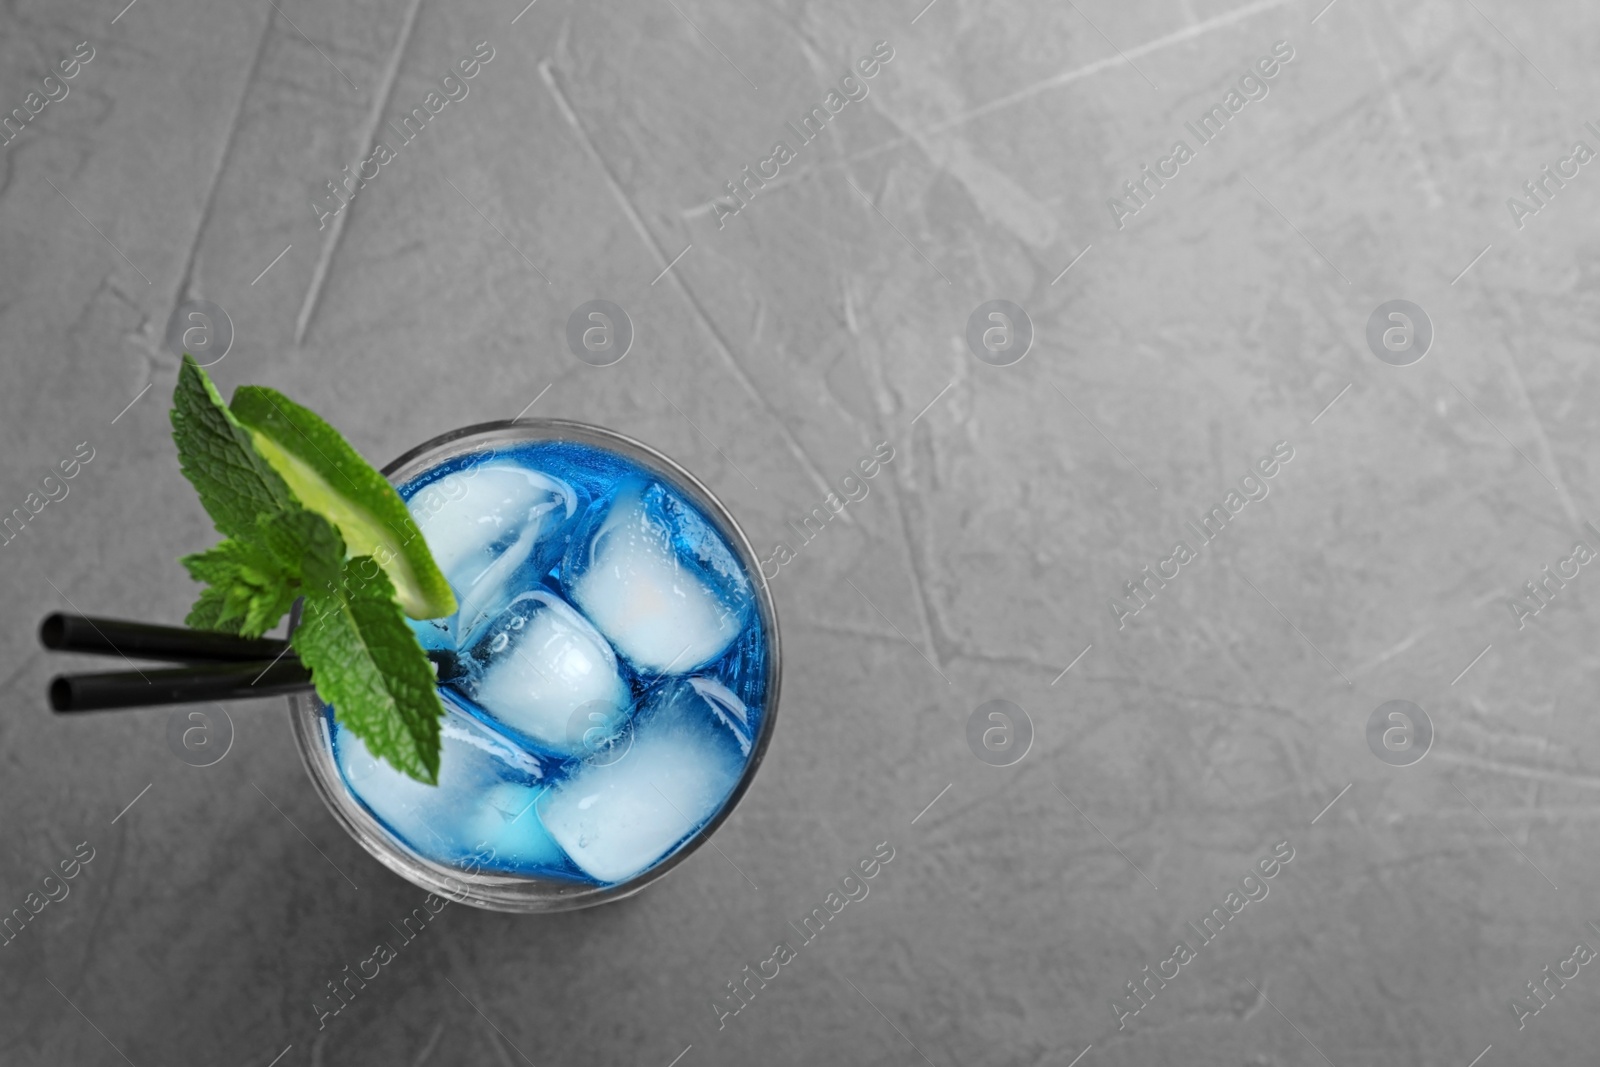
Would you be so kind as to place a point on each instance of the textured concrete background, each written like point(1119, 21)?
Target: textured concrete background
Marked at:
point(1224, 317)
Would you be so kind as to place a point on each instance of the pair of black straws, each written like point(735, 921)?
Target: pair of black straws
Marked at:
point(215, 666)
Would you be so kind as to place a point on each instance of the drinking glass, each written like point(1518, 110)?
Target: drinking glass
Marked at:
point(533, 893)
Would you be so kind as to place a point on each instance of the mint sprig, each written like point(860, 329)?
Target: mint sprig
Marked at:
point(365, 660)
point(248, 588)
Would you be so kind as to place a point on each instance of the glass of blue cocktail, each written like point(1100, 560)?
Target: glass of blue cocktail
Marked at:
point(615, 678)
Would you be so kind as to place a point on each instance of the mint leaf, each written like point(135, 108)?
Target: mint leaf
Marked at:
point(207, 611)
point(235, 484)
point(253, 581)
point(250, 589)
point(306, 544)
point(222, 563)
point(368, 664)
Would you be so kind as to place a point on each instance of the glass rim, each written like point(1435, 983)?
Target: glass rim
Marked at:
point(514, 893)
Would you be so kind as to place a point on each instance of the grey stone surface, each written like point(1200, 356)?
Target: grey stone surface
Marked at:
point(1225, 316)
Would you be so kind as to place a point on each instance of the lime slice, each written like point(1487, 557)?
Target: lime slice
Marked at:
point(330, 478)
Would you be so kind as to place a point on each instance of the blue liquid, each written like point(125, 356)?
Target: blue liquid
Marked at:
point(616, 669)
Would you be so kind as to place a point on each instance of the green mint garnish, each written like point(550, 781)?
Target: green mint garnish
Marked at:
point(292, 498)
point(367, 663)
point(248, 588)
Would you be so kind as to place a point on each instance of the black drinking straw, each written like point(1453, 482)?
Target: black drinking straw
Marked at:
point(62, 632)
point(177, 685)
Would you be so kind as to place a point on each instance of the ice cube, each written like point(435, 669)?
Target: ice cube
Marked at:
point(505, 822)
point(658, 580)
point(543, 672)
point(484, 781)
point(688, 753)
point(484, 522)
